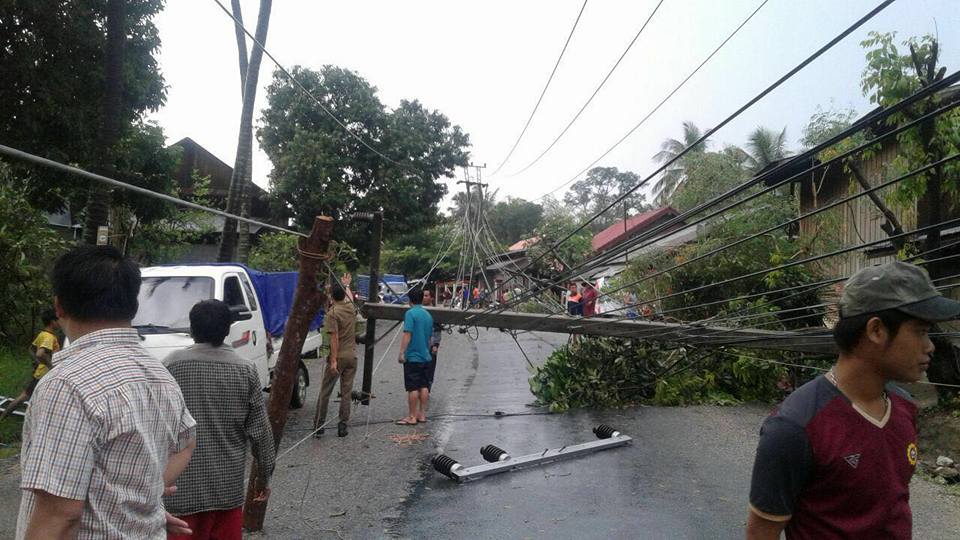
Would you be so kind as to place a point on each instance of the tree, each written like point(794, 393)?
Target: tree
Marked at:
point(54, 77)
point(477, 204)
point(320, 168)
point(415, 254)
point(243, 228)
point(673, 176)
point(764, 146)
point(598, 190)
point(241, 165)
point(824, 124)
point(890, 77)
point(557, 222)
point(28, 248)
point(514, 219)
point(708, 175)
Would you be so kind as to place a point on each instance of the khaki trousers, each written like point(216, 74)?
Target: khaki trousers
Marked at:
point(348, 370)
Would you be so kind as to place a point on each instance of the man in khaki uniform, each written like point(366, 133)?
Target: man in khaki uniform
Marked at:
point(340, 321)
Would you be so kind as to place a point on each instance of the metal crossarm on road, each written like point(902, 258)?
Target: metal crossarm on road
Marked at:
point(467, 474)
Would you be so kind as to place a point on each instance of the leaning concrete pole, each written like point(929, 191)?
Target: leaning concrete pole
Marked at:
point(307, 300)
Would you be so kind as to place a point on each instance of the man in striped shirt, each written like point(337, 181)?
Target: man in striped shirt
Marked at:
point(223, 392)
point(107, 429)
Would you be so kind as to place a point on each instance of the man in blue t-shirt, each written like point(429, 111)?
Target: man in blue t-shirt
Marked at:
point(415, 357)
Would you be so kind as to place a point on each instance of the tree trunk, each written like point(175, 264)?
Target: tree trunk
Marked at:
point(243, 228)
point(228, 240)
point(98, 194)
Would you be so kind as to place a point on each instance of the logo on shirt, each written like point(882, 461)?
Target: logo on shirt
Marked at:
point(852, 460)
point(912, 453)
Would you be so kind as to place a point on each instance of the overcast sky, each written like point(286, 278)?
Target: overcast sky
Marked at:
point(483, 64)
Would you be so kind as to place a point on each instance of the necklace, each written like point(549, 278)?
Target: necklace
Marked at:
point(832, 377)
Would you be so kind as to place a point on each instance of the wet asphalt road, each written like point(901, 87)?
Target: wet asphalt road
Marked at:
point(685, 476)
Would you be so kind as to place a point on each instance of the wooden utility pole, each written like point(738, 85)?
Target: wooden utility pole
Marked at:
point(373, 296)
point(307, 301)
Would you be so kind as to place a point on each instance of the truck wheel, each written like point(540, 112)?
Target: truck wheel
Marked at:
point(299, 397)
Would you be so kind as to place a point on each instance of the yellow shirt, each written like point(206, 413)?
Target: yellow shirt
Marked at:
point(48, 341)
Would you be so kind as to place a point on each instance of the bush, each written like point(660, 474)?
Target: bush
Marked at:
point(616, 372)
point(275, 252)
point(28, 248)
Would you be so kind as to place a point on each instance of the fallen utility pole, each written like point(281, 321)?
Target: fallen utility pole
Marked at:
point(307, 301)
point(820, 342)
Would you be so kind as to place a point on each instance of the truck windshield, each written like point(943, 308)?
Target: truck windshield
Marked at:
point(165, 302)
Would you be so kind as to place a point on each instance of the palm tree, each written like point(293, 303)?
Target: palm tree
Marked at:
point(241, 164)
point(766, 146)
point(673, 175)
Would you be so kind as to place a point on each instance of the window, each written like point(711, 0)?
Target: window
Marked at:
point(232, 294)
point(251, 296)
point(165, 302)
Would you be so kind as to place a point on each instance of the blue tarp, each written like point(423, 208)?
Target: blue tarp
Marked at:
point(275, 291)
point(396, 283)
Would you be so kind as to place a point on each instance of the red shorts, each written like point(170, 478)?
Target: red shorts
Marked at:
point(213, 525)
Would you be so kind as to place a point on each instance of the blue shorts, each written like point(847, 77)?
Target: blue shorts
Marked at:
point(416, 375)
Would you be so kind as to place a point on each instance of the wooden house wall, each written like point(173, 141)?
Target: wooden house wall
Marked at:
point(855, 222)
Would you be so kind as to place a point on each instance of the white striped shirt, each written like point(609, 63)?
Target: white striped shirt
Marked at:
point(100, 428)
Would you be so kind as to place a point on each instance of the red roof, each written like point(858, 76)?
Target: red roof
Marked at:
point(523, 244)
point(617, 233)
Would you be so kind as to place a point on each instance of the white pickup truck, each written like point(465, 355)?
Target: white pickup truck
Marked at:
point(260, 302)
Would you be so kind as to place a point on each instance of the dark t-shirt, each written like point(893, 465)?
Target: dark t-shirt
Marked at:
point(831, 470)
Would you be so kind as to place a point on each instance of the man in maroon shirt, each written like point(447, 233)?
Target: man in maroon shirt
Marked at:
point(835, 459)
point(589, 299)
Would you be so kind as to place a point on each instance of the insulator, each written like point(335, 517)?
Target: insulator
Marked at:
point(604, 431)
point(494, 454)
point(445, 464)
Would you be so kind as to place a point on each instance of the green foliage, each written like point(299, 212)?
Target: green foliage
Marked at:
point(675, 173)
point(557, 222)
point(598, 190)
point(765, 146)
point(166, 240)
point(891, 76)
point(414, 254)
point(275, 252)
point(15, 370)
point(826, 123)
point(320, 169)
point(615, 372)
point(514, 219)
point(707, 175)
point(28, 248)
point(52, 68)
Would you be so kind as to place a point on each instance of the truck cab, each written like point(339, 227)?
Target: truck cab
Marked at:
point(167, 293)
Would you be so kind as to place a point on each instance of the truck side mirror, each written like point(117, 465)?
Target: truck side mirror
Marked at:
point(240, 313)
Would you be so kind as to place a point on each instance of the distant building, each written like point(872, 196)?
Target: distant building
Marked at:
point(197, 162)
point(631, 227)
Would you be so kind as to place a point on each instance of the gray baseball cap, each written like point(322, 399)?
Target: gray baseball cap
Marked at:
point(897, 285)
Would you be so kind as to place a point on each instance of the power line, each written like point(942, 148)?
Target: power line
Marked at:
point(659, 105)
point(669, 227)
point(860, 22)
point(543, 92)
point(798, 219)
point(594, 94)
point(44, 162)
point(305, 90)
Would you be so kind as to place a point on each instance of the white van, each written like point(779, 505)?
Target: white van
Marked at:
point(168, 292)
